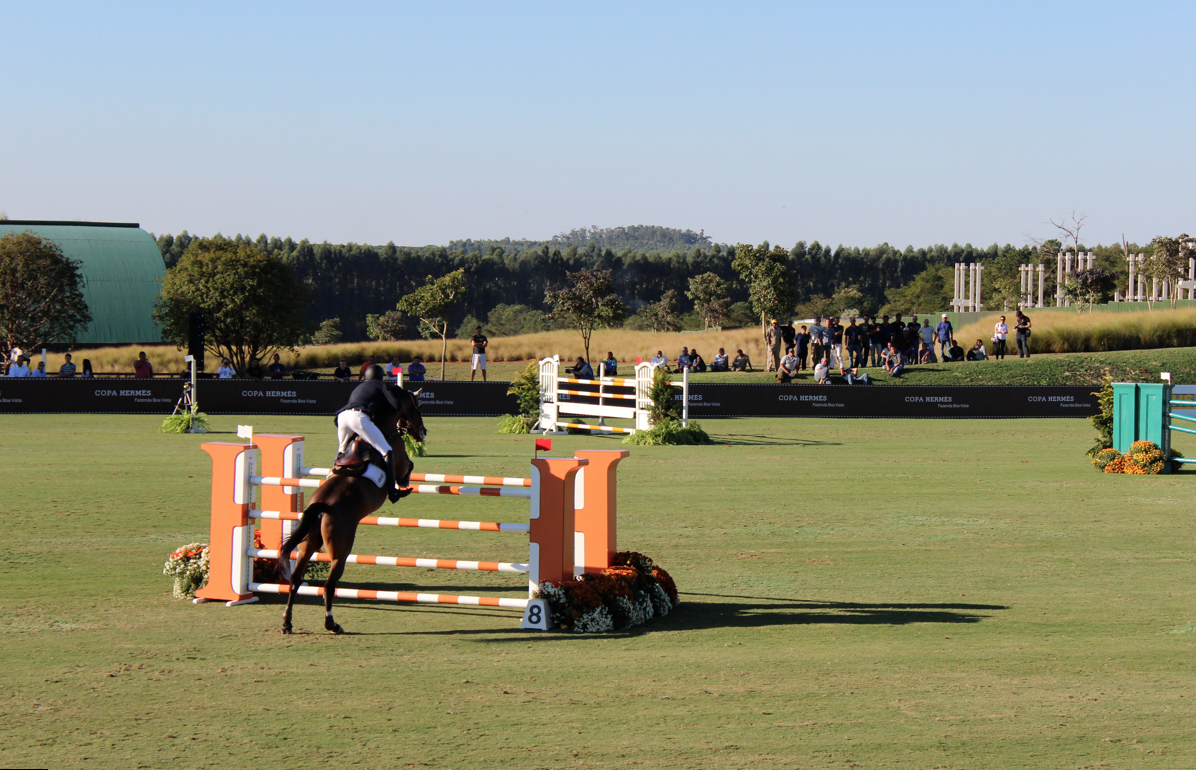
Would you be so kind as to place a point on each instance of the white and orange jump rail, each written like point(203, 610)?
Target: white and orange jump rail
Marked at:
point(620, 398)
point(571, 529)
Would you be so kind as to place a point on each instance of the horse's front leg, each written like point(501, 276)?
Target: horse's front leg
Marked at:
point(334, 576)
point(305, 550)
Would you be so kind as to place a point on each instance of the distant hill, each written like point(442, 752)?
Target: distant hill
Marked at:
point(651, 239)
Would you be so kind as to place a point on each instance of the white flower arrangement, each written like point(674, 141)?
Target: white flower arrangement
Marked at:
point(596, 621)
point(660, 600)
point(188, 566)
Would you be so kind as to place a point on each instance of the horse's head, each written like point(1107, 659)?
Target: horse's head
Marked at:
point(410, 417)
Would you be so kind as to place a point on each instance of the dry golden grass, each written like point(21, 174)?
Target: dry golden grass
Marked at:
point(625, 344)
point(1071, 332)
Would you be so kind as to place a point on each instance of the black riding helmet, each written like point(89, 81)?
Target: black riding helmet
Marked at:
point(375, 372)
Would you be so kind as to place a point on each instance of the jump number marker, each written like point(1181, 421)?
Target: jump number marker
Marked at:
point(535, 617)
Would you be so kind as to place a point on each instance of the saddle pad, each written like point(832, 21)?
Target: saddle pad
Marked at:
point(375, 474)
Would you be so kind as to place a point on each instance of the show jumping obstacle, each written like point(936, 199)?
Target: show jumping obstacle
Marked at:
point(572, 525)
point(596, 395)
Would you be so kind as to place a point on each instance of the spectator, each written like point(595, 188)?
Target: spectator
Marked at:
point(876, 341)
point(817, 344)
point(67, 369)
point(954, 353)
point(788, 368)
point(893, 363)
point(1022, 327)
point(836, 332)
point(683, 359)
point(342, 373)
point(40, 371)
point(20, 368)
point(720, 363)
point(394, 368)
point(14, 357)
point(909, 345)
point(855, 343)
point(927, 333)
point(277, 370)
point(610, 366)
point(254, 370)
point(225, 371)
point(978, 352)
point(417, 370)
point(86, 369)
point(370, 361)
point(581, 370)
point(801, 343)
point(659, 361)
point(479, 342)
point(946, 334)
point(741, 363)
point(926, 355)
point(853, 377)
point(787, 334)
point(1000, 333)
point(897, 332)
point(142, 368)
point(696, 363)
point(774, 338)
point(822, 372)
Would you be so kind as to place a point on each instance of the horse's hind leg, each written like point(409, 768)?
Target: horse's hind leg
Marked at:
point(306, 549)
point(338, 567)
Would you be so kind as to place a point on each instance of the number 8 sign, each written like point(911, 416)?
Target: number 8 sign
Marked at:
point(536, 615)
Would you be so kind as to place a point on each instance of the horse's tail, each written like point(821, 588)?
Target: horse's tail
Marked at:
point(310, 518)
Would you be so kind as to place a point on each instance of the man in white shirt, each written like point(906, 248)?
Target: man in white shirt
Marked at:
point(19, 369)
point(659, 360)
point(822, 372)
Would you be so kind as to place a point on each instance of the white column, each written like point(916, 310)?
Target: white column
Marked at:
point(1059, 280)
point(1192, 277)
point(979, 286)
point(1130, 285)
point(1041, 283)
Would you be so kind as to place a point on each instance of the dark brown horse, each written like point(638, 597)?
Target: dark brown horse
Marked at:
point(338, 506)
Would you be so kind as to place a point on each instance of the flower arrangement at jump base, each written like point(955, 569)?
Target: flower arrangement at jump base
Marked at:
point(1144, 458)
point(631, 591)
point(188, 566)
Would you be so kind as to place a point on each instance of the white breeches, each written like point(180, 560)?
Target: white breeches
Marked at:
point(352, 421)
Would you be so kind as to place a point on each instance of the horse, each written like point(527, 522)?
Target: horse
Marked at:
point(339, 505)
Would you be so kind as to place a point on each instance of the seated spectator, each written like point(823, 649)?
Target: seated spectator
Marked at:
point(955, 352)
point(788, 368)
point(254, 370)
point(927, 356)
point(67, 369)
point(719, 364)
point(822, 371)
point(741, 363)
point(581, 370)
point(394, 368)
point(20, 368)
point(417, 370)
point(342, 373)
point(894, 364)
point(852, 376)
point(86, 369)
point(610, 366)
point(683, 359)
point(277, 370)
point(225, 371)
point(40, 371)
point(695, 362)
point(370, 361)
point(978, 352)
point(142, 368)
point(659, 361)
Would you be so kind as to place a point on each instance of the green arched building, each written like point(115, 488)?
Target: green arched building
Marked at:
point(122, 271)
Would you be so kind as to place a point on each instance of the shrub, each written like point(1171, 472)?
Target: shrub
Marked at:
point(669, 432)
point(1103, 422)
point(513, 423)
point(1102, 459)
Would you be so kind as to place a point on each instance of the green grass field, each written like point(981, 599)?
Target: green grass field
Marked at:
point(856, 593)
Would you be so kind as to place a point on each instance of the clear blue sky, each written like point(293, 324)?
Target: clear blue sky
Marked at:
point(854, 123)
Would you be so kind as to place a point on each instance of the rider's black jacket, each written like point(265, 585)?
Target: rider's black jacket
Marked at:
point(377, 398)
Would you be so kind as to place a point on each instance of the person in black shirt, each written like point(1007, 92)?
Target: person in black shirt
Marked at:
point(479, 353)
point(854, 336)
point(787, 334)
point(801, 342)
point(254, 370)
point(374, 399)
point(342, 373)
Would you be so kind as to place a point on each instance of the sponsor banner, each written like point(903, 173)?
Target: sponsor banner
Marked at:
point(158, 396)
point(924, 401)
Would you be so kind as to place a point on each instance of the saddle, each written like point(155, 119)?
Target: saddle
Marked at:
point(355, 459)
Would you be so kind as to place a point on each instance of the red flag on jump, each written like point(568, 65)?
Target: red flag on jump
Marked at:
point(544, 444)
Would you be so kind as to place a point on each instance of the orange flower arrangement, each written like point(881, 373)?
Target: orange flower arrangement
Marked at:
point(626, 593)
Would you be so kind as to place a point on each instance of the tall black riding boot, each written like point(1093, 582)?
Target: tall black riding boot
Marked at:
point(388, 465)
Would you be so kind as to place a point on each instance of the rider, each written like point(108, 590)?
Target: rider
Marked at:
point(375, 398)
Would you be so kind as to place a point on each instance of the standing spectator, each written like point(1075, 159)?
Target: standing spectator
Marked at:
point(946, 334)
point(659, 361)
point(801, 343)
point(855, 347)
point(417, 370)
point(683, 359)
point(225, 371)
point(695, 362)
point(897, 332)
point(719, 364)
point(909, 344)
point(787, 334)
point(342, 373)
point(788, 368)
point(610, 365)
point(927, 333)
point(277, 370)
point(19, 368)
point(142, 368)
point(14, 357)
point(40, 371)
point(822, 372)
point(1000, 333)
point(1022, 327)
point(774, 338)
point(369, 361)
point(479, 353)
point(67, 369)
point(817, 345)
point(876, 341)
point(978, 352)
point(741, 363)
point(254, 370)
point(86, 369)
point(581, 370)
point(836, 332)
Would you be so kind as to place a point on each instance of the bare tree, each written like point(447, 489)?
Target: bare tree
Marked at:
point(1071, 229)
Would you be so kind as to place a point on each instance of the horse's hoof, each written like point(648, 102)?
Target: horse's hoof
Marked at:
point(286, 630)
point(338, 630)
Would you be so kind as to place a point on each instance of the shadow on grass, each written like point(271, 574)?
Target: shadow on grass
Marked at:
point(760, 439)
